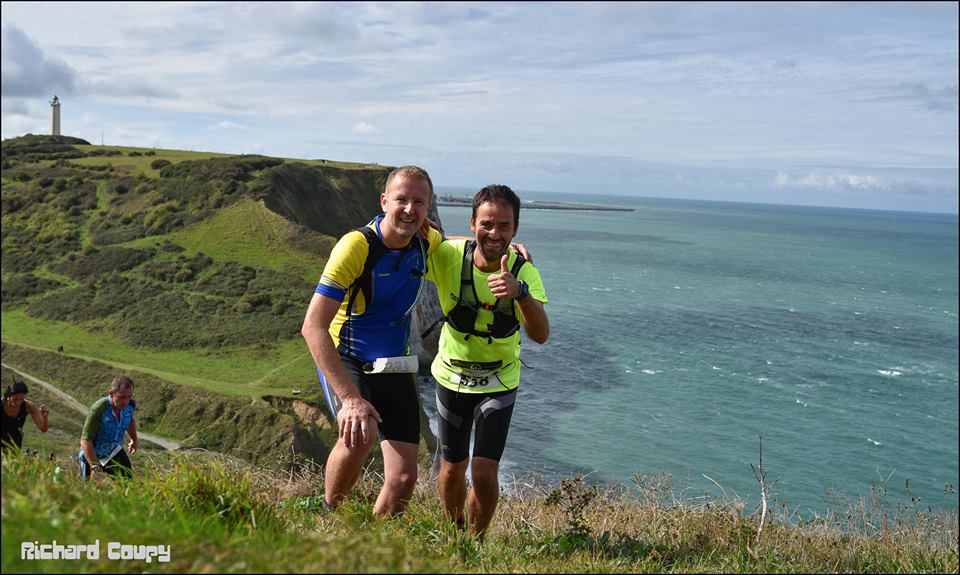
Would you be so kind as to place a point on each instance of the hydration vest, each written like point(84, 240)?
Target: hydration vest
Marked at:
point(463, 317)
point(364, 282)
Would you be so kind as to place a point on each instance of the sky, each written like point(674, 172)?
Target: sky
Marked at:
point(828, 104)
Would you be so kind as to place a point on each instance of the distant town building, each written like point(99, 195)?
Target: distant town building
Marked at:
point(55, 116)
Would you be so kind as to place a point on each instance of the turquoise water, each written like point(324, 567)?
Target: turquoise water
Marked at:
point(683, 331)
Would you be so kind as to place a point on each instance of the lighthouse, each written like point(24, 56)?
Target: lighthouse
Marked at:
point(55, 116)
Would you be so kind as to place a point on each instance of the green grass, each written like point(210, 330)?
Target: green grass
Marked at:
point(250, 370)
point(219, 515)
point(102, 199)
point(250, 234)
point(137, 165)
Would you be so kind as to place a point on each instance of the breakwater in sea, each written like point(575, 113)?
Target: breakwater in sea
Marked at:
point(460, 201)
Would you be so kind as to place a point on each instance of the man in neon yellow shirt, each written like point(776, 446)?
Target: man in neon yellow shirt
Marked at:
point(487, 292)
point(359, 313)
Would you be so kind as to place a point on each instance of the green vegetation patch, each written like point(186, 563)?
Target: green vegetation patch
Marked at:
point(250, 234)
point(32, 147)
point(220, 515)
point(96, 261)
point(192, 320)
point(18, 287)
point(42, 224)
point(90, 300)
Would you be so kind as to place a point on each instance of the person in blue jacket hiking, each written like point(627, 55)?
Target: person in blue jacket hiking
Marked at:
point(101, 442)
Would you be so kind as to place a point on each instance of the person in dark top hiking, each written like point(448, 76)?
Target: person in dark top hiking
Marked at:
point(102, 439)
point(15, 410)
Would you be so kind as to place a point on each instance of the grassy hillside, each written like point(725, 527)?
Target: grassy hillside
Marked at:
point(192, 269)
point(219, 515)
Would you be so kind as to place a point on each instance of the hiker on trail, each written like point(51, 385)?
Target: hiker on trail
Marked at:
point(487, 292)
point(16, 406)
point(360, 313)
point(102, 439)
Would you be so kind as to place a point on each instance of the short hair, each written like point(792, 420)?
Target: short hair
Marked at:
point(413, 172)
point(121, 382)
point(498, 193)
point(15, 387)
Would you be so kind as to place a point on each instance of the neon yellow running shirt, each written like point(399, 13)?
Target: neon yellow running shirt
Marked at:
point(460, 363)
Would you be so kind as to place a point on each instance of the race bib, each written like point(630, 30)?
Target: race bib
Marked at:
point(477, 380)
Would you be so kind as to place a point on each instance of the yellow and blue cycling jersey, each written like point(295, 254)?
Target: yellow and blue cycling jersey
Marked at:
point(380, 328)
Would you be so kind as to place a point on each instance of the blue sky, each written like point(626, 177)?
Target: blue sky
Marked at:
point(834, 104)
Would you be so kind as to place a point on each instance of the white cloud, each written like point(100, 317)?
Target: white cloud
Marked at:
point(831, 181)
point(228, 125)
point(364, 129)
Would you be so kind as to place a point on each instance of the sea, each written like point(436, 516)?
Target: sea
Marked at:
point(694, 340)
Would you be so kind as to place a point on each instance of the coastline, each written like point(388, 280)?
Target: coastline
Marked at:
point(454, 201)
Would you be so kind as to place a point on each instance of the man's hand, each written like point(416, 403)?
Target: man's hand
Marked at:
point(44, 411)
point(353, 420)
point(504, 285)
point(97, 473)
point(522, 250)
point(426, 225)
point(133, 445)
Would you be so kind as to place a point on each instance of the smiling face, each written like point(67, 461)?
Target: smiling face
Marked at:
point(405, 204)
point(494, 229)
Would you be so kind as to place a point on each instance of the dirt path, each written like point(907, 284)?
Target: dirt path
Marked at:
point(79, 407)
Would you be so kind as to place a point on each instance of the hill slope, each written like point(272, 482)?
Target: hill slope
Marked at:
point(191, 270)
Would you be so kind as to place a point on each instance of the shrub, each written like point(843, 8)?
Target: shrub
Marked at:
point(160, 163)
point(104, 260)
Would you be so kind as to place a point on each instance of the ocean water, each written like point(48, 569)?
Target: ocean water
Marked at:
point(684, 331)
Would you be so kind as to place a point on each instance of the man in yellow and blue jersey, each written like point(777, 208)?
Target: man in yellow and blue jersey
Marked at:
point(360, 313)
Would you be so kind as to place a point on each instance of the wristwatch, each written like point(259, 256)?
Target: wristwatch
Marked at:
point(97, 467)
point(524, 291)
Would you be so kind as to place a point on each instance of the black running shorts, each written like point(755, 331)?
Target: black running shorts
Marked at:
point(457, 414)
point(394, 396)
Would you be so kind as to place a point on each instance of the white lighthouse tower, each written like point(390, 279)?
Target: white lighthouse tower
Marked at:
point(55, 116)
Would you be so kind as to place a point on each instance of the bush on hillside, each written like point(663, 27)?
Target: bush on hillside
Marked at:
point(94, 299)
point(160, 163)
point(192, 320)
point(102, 260)
point(181, 270)
point(228, 279)
point(32, 148)
point(19, 287)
